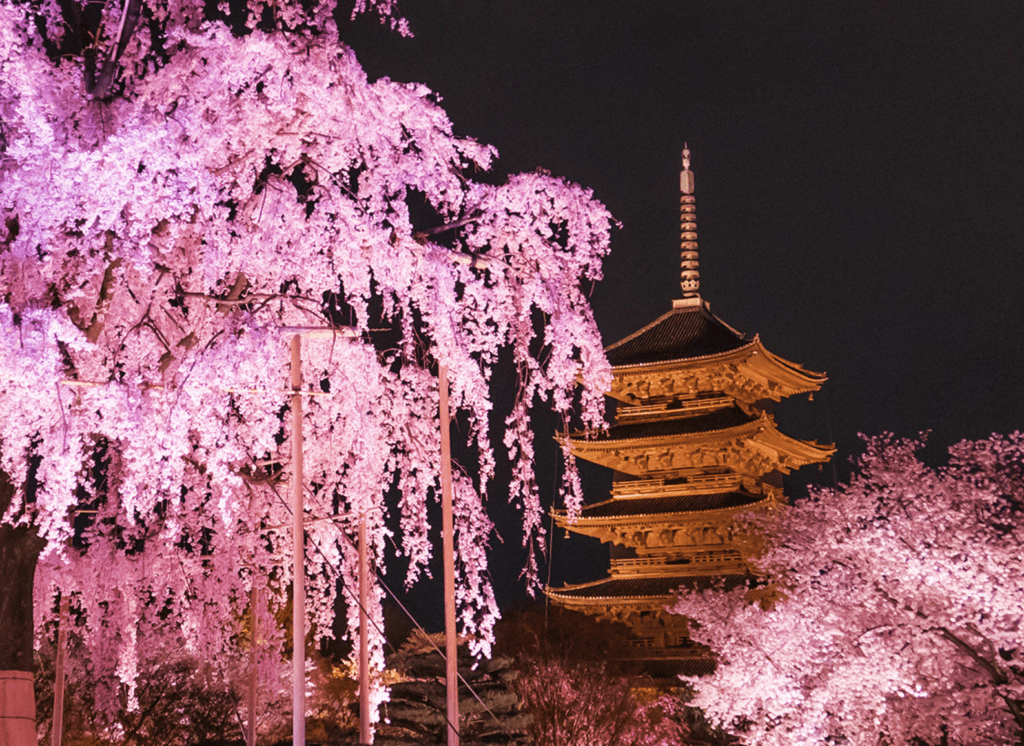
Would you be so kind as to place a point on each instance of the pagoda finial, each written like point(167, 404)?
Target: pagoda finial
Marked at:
point(689, 267)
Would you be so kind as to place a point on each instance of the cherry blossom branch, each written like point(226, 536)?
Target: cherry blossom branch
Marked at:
point(422, 235)
point(237, 301)
point(996, 674)
point(157, 387)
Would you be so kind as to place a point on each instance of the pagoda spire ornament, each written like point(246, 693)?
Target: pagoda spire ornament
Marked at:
point(689, 265)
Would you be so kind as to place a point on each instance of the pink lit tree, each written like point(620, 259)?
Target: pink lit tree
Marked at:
point(175, 196)
point(899, 613)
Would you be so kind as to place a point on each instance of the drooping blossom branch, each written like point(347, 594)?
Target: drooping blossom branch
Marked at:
point(157, 246)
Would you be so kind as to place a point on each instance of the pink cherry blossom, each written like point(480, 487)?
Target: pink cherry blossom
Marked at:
point(156, 244)
point(899, 611)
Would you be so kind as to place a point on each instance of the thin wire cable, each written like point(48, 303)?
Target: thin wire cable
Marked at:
point(426, 635)
point(413, 619)
point(354, 598)
point(551, 540)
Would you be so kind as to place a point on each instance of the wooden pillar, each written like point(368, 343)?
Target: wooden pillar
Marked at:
point(448, 550)
point(250, 728)
point(298, 557)
point(365, 733)
point(57, 727)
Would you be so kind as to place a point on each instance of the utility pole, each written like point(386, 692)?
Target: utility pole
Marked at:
point(298, 574)
point(448, 550)
point(57, 728)
point(298, 531)
point(365, 735)
point(298, 557)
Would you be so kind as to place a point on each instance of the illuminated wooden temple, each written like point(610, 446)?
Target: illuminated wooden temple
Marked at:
point(693, 444)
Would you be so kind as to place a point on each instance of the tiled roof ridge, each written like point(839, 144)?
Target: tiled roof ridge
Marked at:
point(682, 333)
point(701, 310)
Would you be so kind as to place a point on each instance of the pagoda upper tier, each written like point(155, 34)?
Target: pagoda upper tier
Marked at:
point(689, 352)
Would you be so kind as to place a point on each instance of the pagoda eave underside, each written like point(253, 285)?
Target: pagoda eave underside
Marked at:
point(617, 529)
point(620, 607)
point(671, 501)
point(656, 597)
point(612, 607)
point(748, 374)
point(754, 449)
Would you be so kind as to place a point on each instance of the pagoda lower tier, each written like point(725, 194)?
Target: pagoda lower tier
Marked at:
point(667, 536)
point(676, 521)
point(660, 645)
point(659, 642)
point(684, 468)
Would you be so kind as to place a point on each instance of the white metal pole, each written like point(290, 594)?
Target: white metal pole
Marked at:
point(57, 729)
point(299, 558)
point(365, 734)
point(448, 550)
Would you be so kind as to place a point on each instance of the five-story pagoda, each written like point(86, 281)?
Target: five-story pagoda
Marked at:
point(693, 444)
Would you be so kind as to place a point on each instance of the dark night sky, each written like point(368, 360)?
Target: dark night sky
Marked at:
point(859, 182)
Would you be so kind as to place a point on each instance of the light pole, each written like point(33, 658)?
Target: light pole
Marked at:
point(298, 557)
point(365, 735)
point(448, 551)
point(298, 533)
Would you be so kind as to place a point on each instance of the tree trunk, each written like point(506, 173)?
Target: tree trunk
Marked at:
point(19, 552)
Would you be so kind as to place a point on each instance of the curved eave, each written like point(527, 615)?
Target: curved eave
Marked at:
point(777, 376)
point(652, 602)
point(798, 375)
point(803, 451)
point(561, 595)
point(761, 433)
point(702, 436)
point(561, 517)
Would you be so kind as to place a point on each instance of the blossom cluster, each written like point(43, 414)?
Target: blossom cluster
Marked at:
point(899, 609)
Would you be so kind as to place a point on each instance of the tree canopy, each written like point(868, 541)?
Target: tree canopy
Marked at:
point(167, 228)
point(900, 600)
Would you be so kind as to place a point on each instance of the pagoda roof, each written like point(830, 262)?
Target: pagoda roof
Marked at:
point(618, 519)
point(690, 352)
point(682, 333)
point(721, 419)
point(641, 588)
point(618, 507)
point(747, 446)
